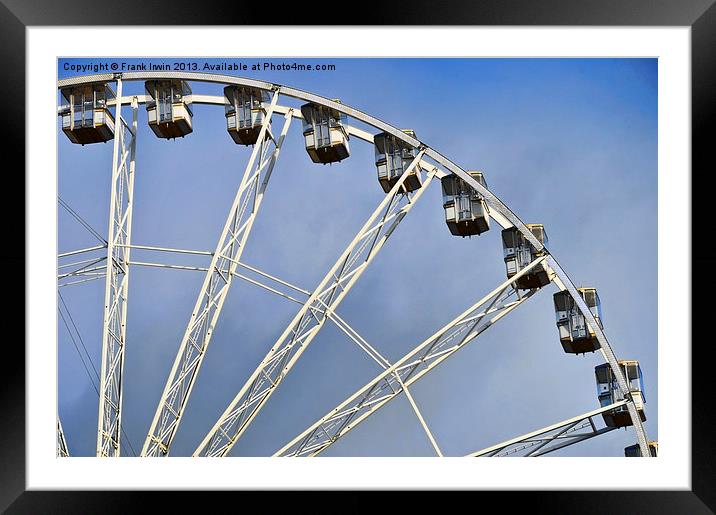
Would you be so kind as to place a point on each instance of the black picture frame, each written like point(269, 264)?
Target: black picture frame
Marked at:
point(700, 15)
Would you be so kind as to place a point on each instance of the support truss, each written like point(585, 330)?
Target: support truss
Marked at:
point(551, 438)
point(311, 317)
point(216, 285)
point(62, 451)
point(116, 284)
point(409, 369)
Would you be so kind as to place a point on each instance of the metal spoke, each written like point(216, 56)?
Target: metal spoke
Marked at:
point(116, 287)
point(551, 438)
point(410, 368)
point(299, 334)
point(62, 450)
point(80, 251)
point(216, 285)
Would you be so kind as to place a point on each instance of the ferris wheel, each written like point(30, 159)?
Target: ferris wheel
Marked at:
point(260, 115)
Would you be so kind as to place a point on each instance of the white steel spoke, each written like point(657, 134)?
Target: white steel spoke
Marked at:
point(62, 450)
point(216, 285)
point(70, 283)
point(235, 274)
point(424, 424)
point(83, 262)
point(171, 267)
point(410, 368)
point(166, 249)
point(384, 364)
point(359, 340)
point(551, 438)
point(80, 251)
point(116, 286)
point(86, 268)
point(311, 317)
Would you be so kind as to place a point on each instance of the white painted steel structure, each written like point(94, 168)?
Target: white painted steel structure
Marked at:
point(114, 329)
point(216, 285)
point(411, 367)
point(310, 319)
point(316, 307)
point(62, 451)
point(553, 437)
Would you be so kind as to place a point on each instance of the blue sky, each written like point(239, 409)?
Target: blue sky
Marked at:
point(571, 143)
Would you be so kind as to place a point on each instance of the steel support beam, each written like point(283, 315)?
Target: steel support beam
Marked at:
point(421, 419)
point(409, 369)
point(540, 442)
point(311, 317)
point(216, 285)
point(116, 285)
point(87, 269)
point(235, 274)
point(81, 251)
point(62, 450)
point(385, 364)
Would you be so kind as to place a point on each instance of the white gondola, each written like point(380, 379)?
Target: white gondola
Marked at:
point(466, 212)
point(392, 158)
point(86, 117)
point(168, 108)
point(634, 451)
point(519, 253)
point(575, 334)
point(609, 393)
point(245, 113)
point(324, 133)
